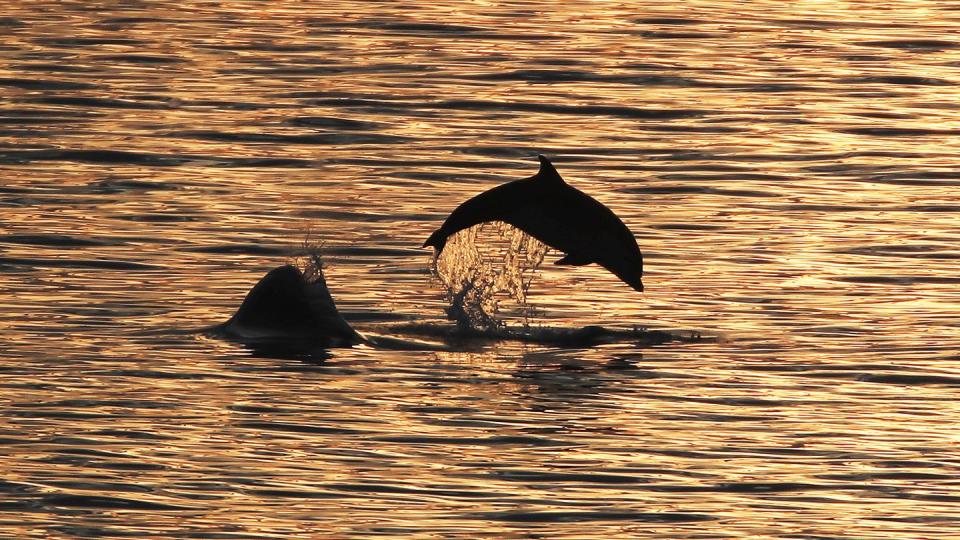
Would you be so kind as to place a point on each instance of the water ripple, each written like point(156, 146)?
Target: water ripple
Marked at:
point(788, 169)
point(384, 107)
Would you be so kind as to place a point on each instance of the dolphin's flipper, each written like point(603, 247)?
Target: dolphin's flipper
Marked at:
point(575, 260)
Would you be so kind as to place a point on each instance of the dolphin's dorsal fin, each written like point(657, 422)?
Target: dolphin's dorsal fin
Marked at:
point(547, 172)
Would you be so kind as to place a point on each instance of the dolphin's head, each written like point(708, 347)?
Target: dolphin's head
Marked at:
point(633, 280)
point(630, 273)
point(626, 263)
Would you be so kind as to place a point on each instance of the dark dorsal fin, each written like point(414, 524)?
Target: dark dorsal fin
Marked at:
point(547, 172)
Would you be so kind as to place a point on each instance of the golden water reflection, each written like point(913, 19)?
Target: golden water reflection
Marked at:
point(788, 169)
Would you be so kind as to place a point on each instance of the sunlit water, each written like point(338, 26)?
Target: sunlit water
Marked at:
point(789, 169)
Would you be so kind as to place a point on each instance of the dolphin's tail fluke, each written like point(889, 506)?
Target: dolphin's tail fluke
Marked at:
point(438, 240)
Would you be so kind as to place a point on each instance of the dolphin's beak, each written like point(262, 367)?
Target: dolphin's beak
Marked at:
point(635, 284)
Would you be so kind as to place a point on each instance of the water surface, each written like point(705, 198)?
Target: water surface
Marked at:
point(789, 170)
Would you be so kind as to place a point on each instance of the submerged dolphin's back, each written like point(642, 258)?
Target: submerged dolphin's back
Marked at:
point(284, 304)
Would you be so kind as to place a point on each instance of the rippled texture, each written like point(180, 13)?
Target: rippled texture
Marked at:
point(789, 170)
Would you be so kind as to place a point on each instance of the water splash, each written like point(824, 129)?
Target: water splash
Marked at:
point(309, 259)
point(487, 270)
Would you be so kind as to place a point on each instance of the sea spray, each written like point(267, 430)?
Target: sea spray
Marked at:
point(310, 258)
point(484, 265)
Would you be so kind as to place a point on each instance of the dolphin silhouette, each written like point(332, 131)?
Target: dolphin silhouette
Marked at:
point(286, 305)
point(559, 215)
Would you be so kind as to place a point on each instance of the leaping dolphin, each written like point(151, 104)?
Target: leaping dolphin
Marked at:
point(559, 215)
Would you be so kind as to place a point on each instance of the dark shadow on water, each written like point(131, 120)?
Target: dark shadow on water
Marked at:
point(303, 351)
